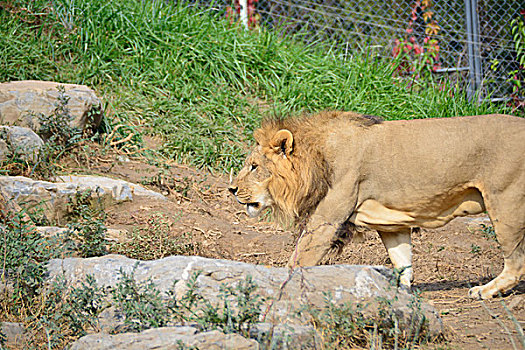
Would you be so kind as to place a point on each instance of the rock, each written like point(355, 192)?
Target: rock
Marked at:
point(286, 336)
point(19, 142)
point(285, 293)
point(13, 334)
point(21, 101)
point(120, 190)
point(165, 338)
point(54, 197)
point(5, 152)
point(114, 235)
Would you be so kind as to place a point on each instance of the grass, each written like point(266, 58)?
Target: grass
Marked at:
point(202, 84)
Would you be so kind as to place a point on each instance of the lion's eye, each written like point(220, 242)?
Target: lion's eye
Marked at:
point(253, 167)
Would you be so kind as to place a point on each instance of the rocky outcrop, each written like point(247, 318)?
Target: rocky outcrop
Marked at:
point(19, 142)
point(285, 292)
point(22, 101)
point(54, 197)
point(166, 338)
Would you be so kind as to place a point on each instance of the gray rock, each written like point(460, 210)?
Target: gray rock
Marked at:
point(286, 336)
point(21, 142)
point(13, 333)
point(5, 152)
point(165, 338)
point(286, 292)
point(114, 235)
point(54, 197)
point(20, 99)
point(120, 190)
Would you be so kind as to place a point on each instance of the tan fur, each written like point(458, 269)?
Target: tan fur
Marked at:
point(341, 170)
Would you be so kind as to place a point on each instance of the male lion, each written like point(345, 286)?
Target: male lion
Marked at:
point(341, 169)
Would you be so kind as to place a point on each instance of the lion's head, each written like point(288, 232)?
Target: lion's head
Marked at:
point(287, 170)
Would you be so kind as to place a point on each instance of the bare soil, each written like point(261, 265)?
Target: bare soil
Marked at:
point(447, 261)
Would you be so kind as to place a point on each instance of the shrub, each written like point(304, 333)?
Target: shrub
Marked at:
point(156, 241)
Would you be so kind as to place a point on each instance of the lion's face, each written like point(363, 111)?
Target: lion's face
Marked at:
point(276, 175)
point(250, 187)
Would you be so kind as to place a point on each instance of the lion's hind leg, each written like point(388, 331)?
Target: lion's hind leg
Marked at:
point(513, 270)
point(399, 248)
point(510, 232)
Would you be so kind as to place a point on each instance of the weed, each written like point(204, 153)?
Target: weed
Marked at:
point(475, 249)
point(144, 306)
point(68, 313)
point(345, 326)
point(168, 183)
point(156, 241)
point(87, 230)
point(141, 304)
point(488, 232)
point(51, 315)
point(60, 137)
point(341, 326)
point(184, 309)
point(240, 309)
point(23, 252)
point(56, 128)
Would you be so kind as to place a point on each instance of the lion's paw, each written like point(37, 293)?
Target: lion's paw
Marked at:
point(479, 292)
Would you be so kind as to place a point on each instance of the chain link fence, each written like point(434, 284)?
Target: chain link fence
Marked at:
point(469, 42)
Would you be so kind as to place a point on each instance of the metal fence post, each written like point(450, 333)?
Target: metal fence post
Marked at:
point(244, 12)
point(474, 56)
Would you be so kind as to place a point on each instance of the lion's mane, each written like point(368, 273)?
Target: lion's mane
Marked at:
point(298, 186)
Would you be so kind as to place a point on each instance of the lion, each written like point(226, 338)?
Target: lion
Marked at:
point(338, 171)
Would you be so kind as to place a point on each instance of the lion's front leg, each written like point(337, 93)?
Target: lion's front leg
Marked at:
point(313, 245)
point(321, 231)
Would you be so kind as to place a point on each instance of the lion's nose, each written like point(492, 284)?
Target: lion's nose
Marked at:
point(233, 189)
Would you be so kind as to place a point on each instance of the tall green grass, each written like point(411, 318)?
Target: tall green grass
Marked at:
point(188, 75)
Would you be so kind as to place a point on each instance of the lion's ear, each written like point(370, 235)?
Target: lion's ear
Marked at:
point(282, 142)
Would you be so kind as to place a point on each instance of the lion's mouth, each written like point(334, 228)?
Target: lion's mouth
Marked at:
point(253, 209)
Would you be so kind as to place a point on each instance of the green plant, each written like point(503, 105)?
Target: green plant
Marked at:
point(345, 326)
point(141, 304)
point(156, 241)
point(240, 309)
point(517, 76)
point(144, 306)
point(341, 326)
point(86, 228)
point(59, 136)
point(56, 128)
point(488, 232)
point(184, 309)
point(68, 313)
point(23, 252)
point(475, 249)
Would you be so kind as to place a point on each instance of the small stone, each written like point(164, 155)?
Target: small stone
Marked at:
point(13, 333)
point(20, 142)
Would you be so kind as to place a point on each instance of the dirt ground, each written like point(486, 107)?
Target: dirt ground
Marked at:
point(447, 261)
